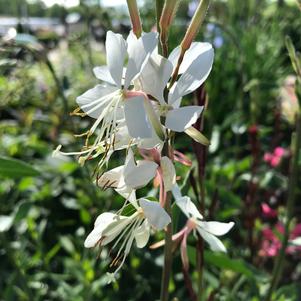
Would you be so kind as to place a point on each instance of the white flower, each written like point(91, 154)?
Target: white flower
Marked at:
point(126, 178)
point(194, 70)
point(127, 229)
point(208, 230)
point(131, 176)
point(108, 103)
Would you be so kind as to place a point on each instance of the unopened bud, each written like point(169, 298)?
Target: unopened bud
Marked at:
point(135, 17)
point(168, 14)
point(195, 24)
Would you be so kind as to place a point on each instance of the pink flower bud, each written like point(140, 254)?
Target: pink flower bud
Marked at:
point(135, 17)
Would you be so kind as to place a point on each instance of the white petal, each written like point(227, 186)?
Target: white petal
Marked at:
point(112, 178)
point(194, 76)
point(116, 53)
point(142, 234)
point(214, 242)
point(155, 214)
point(181, 119)
point(216, 228)
point(101, 223)
point(138, 51)
point(94, 98)
point(188, 207)
point(140, 175)
point(133, 200)
point(155, 75)
point(115, 228)
point(191, 54)
point(122, 139)
point(149, 143)
point(176, 192)
point(103, 73)
point(169, 173)
point(136, 118)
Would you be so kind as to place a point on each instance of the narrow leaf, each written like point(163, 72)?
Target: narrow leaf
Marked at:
point(13, 168)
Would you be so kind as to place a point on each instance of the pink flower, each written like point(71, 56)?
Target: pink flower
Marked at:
point(274, 159)
point(267, 157)
point(279, 151)
point(271, 241)
point(267, 211)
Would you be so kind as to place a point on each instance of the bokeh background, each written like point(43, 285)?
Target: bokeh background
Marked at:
point(48, 205)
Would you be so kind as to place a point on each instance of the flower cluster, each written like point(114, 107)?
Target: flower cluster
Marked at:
point(137, 108)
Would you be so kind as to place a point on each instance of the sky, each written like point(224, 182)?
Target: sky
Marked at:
point(69, 3)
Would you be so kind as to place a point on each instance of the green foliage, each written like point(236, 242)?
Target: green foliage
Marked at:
point(13, 168)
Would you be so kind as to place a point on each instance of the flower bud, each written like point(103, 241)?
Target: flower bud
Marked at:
point(135, 17)
point(168, 14)
point(195, 24)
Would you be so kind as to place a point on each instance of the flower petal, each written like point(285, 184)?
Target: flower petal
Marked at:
point(142, 234)
point(95, 100)
point(140, 175)
point(188, 207)
point(181, 119)
point(116, 53)
point(214, 242)
point(155, 214)
point(155, 75)
point(112, 178)
point(169, 173)
point(103, 73)
point(191, 54)
point(216, 228)
point(115, 228)
point(138, 51)
point(194, 76)
point(133, 200)
point(101, 223)
point(136, 118)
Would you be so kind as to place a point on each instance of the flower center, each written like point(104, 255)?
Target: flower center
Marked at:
point(163, 110)
point(191, 223)
point(140, 212)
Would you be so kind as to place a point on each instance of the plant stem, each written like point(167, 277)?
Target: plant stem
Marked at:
point(59, 86)
point(159, 8)
point(278, 268)
point(200, 243)
point(166, 272)
point(167, 151)
point(167, 254)
point(200, 151)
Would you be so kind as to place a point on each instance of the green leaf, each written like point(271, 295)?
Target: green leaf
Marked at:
point(22, 211)
point(223, 261)
point(67, 244)
point(13, 168)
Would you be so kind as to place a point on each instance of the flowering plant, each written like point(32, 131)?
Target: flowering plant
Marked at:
point(137, 109)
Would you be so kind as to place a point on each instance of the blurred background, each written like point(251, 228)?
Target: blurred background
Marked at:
point(48, 205)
